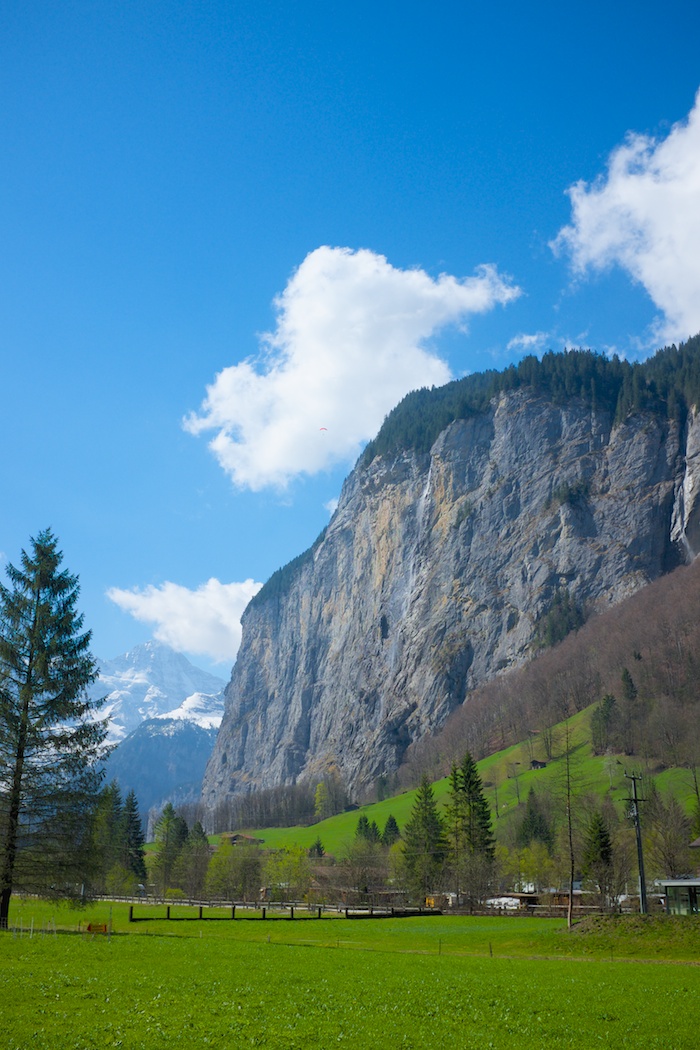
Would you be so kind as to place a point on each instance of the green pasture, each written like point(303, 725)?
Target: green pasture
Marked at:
point(624, 937)
point(477, 982)
point(505, 776)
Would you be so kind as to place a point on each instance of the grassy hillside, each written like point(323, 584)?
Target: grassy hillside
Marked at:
point(505, 775)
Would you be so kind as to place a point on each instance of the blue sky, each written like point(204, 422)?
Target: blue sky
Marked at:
point(243, 222)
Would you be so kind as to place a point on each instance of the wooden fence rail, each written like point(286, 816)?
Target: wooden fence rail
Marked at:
point(266, 913)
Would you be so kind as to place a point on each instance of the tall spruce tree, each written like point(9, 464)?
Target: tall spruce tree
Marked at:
point(597, 860)
point(134, 838)
point(108, 832)
point(468, 813)
point(425, 844)
point(471, 837)
point(51, 744)
point(171, 835)
point(391, 833)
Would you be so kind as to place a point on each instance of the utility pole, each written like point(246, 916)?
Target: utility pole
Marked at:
point(634, 777)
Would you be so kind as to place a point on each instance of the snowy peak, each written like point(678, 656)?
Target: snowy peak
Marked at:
point(203, 708)
point(153, 681)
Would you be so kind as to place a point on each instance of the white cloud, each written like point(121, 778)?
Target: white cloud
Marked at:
point(644, 215)
point(206, 621)
point(349, 342)
point(331, 506)
point(530, 343)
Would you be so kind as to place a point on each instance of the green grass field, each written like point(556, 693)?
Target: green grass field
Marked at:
point(477, 982)
point(593, 773)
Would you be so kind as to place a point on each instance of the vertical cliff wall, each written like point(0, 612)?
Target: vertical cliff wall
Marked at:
point(432, 577)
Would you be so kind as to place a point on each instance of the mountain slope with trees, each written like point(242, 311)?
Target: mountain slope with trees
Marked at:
point(490, 517)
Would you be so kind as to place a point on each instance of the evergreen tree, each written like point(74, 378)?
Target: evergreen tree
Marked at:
point(171, 835)
point(108, 834)
point(425, 845)
point(602, 721)
point(391, 833)
point(362, 830)
point(316, 850)
point(471, 838)
point(629, 689)
point(373, 833)
point(535, 826)
point(51, 745)
point(134, 838)
point(597, 861)
point(469, 813)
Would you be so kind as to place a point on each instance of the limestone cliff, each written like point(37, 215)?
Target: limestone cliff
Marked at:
point(434, 572)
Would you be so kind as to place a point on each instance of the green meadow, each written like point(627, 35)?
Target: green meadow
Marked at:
point(507, 777)
point(477, 982)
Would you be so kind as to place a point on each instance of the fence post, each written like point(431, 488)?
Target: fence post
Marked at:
point(200, 911)
point(131, 913)
point(167, 911)
point(291, 911)
point(233, 911)
point(319, 912)
point(263, 913)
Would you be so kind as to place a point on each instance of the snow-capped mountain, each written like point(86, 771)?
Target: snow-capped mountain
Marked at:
point(164, 714)
point(153, 681)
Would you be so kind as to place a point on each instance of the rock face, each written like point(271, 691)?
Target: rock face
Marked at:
point(433, 574)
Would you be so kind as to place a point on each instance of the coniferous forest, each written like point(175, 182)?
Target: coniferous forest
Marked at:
point(667, 383)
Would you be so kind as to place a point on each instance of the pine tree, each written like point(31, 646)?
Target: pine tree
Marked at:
point(108, 834)
point(535, 826)
point(476, 815)
point(471, 837)
point(391, 833)
point(134, 839)
point(598, 855)
point(425, 845)
point(362, 830)
point(51, 744)
point(602, 720)
point(171, 835)
point(316, 849)
point(374, 834)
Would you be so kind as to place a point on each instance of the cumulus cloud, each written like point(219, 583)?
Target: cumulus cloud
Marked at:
point(531, 343)
point(206, 620)
point(351, 338)
point(643, 214)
